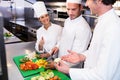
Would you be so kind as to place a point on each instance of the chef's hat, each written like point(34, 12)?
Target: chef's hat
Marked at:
point(39, 9)
point(74, 1)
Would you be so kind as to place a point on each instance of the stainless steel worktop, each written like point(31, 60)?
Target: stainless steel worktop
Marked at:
point(13, 50)
point(12, 39)
point(25, 30)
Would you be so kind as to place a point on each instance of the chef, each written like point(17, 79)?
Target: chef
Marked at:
point(47, 35)
point(102, 59)
point(76, 33)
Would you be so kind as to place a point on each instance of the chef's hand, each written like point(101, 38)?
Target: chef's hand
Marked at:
point(73, 57)
point(62, 67)
point(41, 43)
point(50, 65)
point(55, 50)
point(44, 55)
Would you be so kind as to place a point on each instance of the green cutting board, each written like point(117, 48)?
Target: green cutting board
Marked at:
point(28, 72)
point(57, 73)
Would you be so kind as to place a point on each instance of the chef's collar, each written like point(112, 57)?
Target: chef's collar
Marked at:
point(107, 14)
point(76, 19)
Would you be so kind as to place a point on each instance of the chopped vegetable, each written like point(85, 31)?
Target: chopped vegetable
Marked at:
point(7, 34)
point(41, 63)
point(29, 65)
point(31, 55)
point(46, 75)
point(57, 60)
point(25, 59)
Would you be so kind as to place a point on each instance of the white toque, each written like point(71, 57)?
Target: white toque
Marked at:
point(74, 1)
point(39, 9)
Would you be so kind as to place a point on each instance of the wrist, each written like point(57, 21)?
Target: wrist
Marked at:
point(40, 47)
point(40, 51)
point(67, 72)
point(82, 57)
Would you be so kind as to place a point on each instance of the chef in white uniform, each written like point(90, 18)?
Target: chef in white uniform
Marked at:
point(76, 33)
point(102, 59)
point(48, 34)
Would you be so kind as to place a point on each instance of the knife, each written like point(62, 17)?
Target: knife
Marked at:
point(52, 56)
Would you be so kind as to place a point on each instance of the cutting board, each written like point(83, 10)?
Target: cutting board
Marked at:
point(28, 72)
point(60, 74)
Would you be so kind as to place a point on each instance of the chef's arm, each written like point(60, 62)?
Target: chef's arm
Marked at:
point(56, 48)
point(103, 67)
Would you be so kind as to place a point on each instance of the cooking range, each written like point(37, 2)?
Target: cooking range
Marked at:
point(25, 30)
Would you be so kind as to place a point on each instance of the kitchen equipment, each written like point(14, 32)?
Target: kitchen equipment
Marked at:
point(63, 15)
point(32, 31)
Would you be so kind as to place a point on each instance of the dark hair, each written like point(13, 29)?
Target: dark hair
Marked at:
point(108, 2)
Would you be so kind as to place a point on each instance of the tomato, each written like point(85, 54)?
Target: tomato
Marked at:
point(29, 66)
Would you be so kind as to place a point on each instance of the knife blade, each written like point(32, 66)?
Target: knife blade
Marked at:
point(49, 58)
point(52, 56)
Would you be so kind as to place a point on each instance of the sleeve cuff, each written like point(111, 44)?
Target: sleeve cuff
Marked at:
point(40, 51)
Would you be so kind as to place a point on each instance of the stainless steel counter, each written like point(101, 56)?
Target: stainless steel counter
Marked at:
point(12, 39)
point(13, 50)
point(25, 30)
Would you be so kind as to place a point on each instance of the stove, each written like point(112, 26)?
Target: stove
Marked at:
point(32, 31)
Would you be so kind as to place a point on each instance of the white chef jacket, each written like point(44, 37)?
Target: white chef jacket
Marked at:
point(75, 36)
point(103, 56)
point(51, 36)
